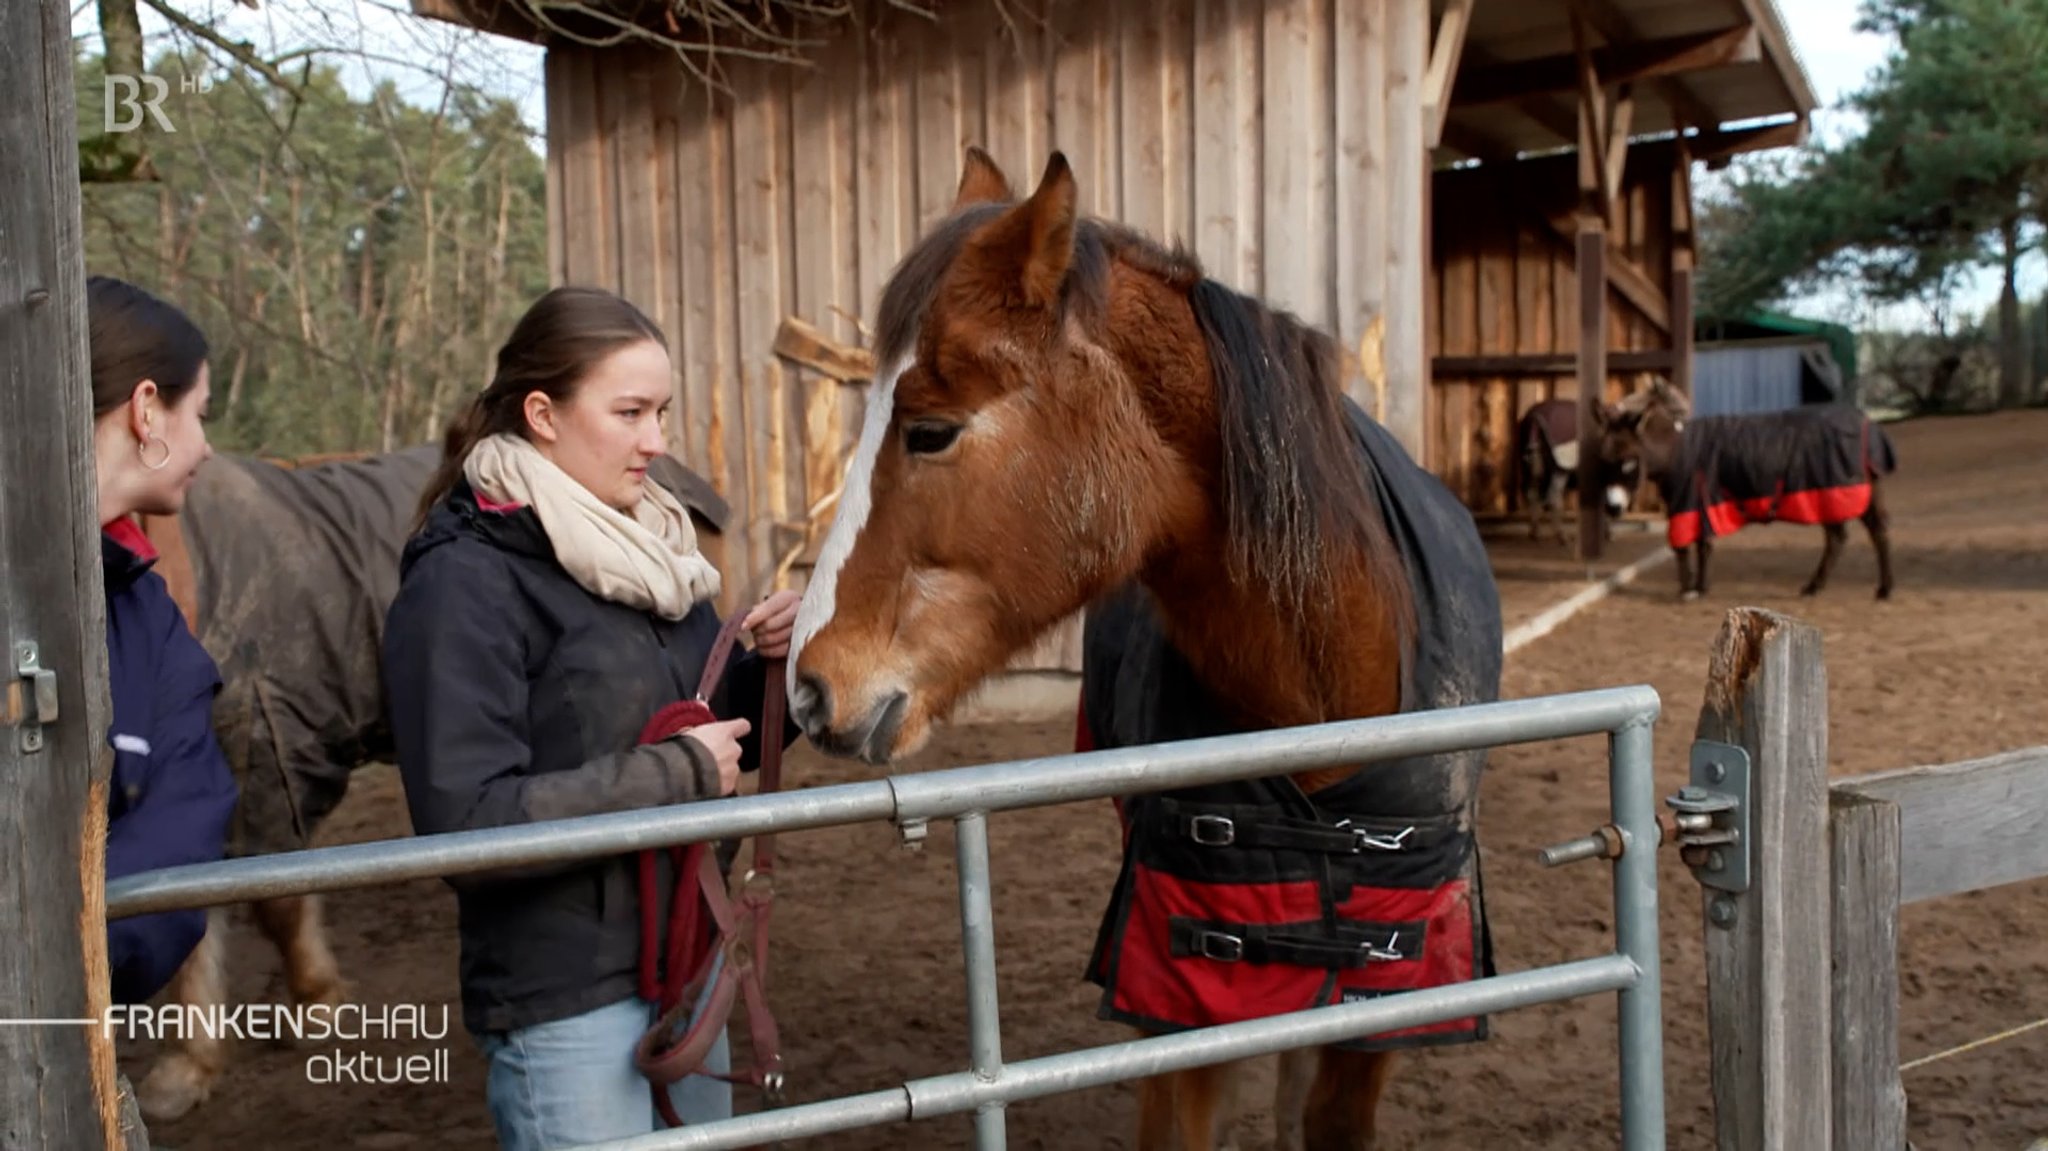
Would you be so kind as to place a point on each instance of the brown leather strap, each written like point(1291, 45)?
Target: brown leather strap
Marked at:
point(740, 933)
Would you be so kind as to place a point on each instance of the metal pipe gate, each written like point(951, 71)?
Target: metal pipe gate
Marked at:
point(968, 795)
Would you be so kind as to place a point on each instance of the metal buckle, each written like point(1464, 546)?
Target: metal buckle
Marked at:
point(1363, 839)
point(1391, 952)
point(1218, 946)
point(1224, 836)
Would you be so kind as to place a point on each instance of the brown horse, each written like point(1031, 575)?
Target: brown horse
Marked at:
point(1820, 464)
point(1070, 416)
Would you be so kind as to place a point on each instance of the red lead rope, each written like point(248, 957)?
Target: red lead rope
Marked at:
point(676, 1046)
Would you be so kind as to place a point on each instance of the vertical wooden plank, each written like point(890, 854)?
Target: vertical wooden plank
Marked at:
point(1592, 272)
point(1296, 238)
point(1496, 335)
point(760, 154)
point(1020, 97)
point(730, 445)
point(1408, 190)
point(558, 75)
point(1142, 112)
point(1864, 843)
point(639, 227)
point(1681, 270)
point(887, 190)
point(1360, 122)
point(1768, 978)
point(1083, 71)
point(826, 271)
point(666, 103)
point(703, 299)
point(1535, 309)
point(1176, 94)
point(57, 1087)
point(936, 108)
point(1229, 128)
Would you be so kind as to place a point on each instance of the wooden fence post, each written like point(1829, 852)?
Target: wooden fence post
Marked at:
point(1767, 947)
point(57, 1080)
point(1869, 1098)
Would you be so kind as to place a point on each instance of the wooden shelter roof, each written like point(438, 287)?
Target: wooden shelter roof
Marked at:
point(1722, 69)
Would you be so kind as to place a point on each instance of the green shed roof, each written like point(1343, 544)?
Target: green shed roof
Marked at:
point(1763, 325)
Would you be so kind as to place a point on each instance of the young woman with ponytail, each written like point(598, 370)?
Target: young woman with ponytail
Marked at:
point(551, 603)
point(172, 794)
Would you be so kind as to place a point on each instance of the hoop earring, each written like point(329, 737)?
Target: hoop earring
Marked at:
point(142, 452)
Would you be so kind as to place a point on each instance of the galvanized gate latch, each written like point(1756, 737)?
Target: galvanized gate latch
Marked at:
point(32, 703)
point(1712, 819)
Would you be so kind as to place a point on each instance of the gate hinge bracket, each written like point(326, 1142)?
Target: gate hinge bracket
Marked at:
point(1713, 816)
point(31, 696)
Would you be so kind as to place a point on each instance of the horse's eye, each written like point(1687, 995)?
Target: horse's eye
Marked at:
point(930, 439)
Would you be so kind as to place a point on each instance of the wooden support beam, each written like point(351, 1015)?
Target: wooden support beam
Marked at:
point(1459, 368)
point(1592, 93)
point(1640, 60)
point(1717, 148)
point(57, 1081)
point(1592, 357)
point(1443, 68)
point(1627, 277)
point(1620, 114)
point(1687, 108)
point(807, 347)
point(1769, 978)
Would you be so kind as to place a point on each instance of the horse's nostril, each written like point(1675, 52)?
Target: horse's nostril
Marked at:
point(811, 705)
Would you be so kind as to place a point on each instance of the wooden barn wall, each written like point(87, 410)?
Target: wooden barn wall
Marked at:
point(1503, 281)
point(1271, 136)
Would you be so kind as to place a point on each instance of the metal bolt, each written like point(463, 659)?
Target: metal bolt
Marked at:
point(1691, 793)
point(1717, 772)
point(1715, 861)
point(1721, 912)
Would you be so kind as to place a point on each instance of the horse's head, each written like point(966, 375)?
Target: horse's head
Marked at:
point(1006, 472)
point(1639, 437)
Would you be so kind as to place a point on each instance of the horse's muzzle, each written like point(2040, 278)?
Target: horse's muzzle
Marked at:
point(871, 739)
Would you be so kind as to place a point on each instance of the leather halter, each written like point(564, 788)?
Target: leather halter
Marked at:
point(676, 1045)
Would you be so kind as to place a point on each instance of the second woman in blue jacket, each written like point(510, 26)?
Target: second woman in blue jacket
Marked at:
point(552, 602)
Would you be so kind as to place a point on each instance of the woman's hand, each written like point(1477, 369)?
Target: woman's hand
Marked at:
point(722, 740)
point(771, 623)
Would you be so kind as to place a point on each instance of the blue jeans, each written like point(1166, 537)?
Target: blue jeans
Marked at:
point(573, 1081)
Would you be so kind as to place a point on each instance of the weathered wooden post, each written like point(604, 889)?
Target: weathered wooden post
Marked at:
point(1762, 741)
point(56, 1078)
point(1869, 1098)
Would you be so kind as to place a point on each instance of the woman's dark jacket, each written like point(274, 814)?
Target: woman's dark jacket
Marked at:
point(172, 794)
point(515, 695)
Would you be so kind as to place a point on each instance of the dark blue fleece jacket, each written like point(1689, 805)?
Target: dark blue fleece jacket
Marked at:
point(172, 793)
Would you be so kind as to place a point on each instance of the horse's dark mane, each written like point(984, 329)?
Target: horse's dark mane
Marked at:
point(1297, 499)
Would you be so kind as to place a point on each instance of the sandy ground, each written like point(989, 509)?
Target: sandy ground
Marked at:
point(867, 977)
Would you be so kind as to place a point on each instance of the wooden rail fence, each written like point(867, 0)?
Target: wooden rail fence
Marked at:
point(1802, 967)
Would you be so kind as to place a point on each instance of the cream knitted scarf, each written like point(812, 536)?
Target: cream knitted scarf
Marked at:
point(648, 560)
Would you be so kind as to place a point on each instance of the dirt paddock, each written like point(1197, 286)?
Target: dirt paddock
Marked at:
point(867, 971)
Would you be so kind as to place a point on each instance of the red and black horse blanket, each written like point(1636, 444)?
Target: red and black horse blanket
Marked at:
point(1244, 900)
point(1807, 465)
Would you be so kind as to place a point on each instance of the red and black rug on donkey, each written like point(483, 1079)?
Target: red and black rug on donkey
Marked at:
point(1806, 465)
point(1246, 900)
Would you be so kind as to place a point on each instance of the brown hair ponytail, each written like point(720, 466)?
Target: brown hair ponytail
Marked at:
point(553, 346)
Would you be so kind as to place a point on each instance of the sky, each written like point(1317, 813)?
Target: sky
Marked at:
point(385, 40)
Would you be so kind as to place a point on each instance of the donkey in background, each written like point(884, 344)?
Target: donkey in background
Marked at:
point(1820, 464)
point(1546, 466)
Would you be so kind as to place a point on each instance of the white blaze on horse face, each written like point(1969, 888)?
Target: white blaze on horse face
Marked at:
point(856, 500)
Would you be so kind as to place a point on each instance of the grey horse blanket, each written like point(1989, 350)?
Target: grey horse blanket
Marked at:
point(285, 575)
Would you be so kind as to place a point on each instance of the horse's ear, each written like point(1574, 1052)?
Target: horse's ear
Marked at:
point(981, 181)
point(1050, 212)
point(1034, 241)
